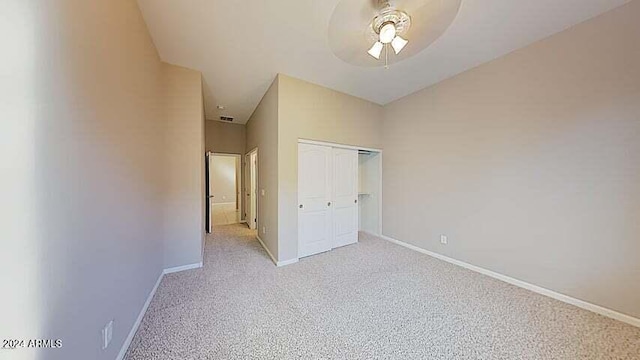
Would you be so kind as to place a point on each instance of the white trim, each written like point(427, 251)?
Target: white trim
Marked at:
point(136, 324)
point(182, 268)
point(225, 203)
point(380, 217)
point(267, 249)
point(276, 262)
point(343, 146)
point(352, 147)
point(371, 234)
point(286, 262)
point(535, 288)
point(257, 184)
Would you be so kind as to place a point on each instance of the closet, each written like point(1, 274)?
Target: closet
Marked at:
point(327, 198)
point(369, 191)
point(338, 195)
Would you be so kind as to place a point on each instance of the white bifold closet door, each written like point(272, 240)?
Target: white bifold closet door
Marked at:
point(345, 197)
point(314, 199)
point(327, 198)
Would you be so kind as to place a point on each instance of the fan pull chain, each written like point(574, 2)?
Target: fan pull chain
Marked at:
point(386, 56)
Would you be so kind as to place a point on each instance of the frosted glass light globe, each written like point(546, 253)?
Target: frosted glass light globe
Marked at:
point(387, 33)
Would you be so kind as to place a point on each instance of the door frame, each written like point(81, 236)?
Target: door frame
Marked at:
point(247, 182)
point(355, 147)
point(208, 195)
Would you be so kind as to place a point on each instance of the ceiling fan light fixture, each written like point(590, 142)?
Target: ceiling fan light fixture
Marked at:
point(387, 32)
point(398, 43)
point(376, 49)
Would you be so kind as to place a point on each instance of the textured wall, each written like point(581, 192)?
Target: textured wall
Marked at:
point(530, 163)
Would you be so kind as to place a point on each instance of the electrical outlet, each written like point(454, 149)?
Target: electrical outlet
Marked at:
point(443, 239)
point(107, 334)
point(264, 230)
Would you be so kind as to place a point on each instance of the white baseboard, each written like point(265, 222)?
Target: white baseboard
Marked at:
point(182, 268)
point(267, 250)
point(136, 324)
point(369, 233)
point(286, 262)
point(535, 288)
point(278, 263)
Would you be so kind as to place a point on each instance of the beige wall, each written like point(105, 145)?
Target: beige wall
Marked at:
point(262, 133)
point(309, 111)
point(82, 131)
point(183, 164)
point(83, 171)
point(225, 138)
point(530, 164)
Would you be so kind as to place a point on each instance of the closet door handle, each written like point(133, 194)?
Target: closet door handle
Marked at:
point(329, 203)
point(301, 206)
point(355, 201)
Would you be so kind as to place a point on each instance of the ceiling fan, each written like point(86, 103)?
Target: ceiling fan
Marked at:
point(387, 29)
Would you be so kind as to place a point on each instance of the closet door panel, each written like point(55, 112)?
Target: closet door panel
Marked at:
point(345, 196)
point(314, 197)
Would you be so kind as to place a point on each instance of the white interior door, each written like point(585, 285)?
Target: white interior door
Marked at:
point(210, 192)
point(314, 199)
point(253, 192)
point(247, 187)
point(251, 184)
point(345, 197)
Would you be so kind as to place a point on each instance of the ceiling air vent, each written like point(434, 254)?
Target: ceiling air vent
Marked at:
point(226, 118)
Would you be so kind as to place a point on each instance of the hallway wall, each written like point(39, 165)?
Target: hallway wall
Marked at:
point(225, 138)
point(262, 133)
point(183, 162)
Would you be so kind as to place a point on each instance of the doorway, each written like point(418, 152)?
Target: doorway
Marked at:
point(225, 200)
point(251, 188)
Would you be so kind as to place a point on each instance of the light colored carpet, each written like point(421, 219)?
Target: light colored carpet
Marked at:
point(372, 300)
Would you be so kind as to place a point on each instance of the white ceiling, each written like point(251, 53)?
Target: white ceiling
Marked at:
point(239, 46)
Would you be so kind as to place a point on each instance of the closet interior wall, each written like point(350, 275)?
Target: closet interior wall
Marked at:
point(369, 192)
